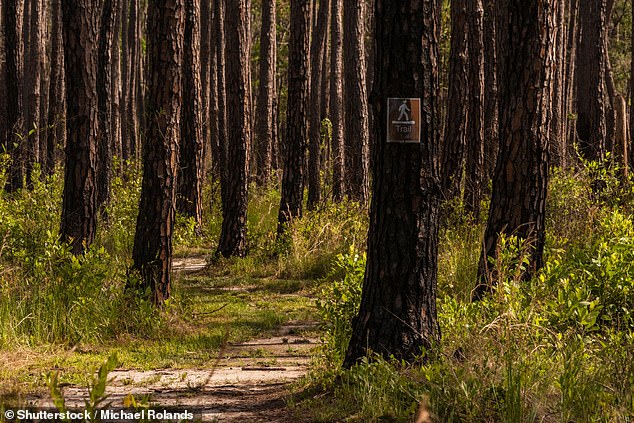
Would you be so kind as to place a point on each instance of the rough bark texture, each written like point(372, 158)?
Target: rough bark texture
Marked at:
point(79, 207)
point(397, 316)
point(558, 127)
point(116, 84)
point(214, 95)
point(590, 77)
point(336, 100)
point(191, 162)
point(12, 14)
point(233, 235)
point(152, 253)
point(357, 119)
point(455, 141)
point(3, 82)
point(526, 55)
point(33, 79)
point(474, 163)
point(125, 82)
point(571, 58)
point(105, 95)
point(44, 90)
point(266, 99)
point(490, 89)
point(630, 151)
point(219, 13)
point(56, 136)
point(610, 88)
point(317, 48)
point(205, 74)
point(130, 118)
point(297, 114)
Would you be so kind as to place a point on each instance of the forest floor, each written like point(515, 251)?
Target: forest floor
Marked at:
point(247, 381)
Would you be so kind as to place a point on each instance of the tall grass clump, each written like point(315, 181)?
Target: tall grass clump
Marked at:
point(47, 295)
point(313, 241)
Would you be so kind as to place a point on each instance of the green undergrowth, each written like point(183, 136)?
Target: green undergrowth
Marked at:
point(558, 348)
point(70, 313)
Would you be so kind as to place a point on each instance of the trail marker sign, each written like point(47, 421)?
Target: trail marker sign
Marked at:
point(403, 120)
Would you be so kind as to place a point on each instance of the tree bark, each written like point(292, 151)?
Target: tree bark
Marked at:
point(125, 82)
point(33, 80)
point(590, 77)
point(297, 114)
point(205, 74)
point(116, 129)
point(356, 99)
point(56, 136)
point(558, 146)
point(12, 13)
point(336, 100)
point(44, 90)
point(219, 13)
point(455, 140)
point(79, 205)
point(105, 99)
point(267, 95)
point(571, 58)
point(490, 89)
point(133, 63)
point(233, 236)
point(191, 161)
point(317, 49)
point(526, 57)
point(152, 253)
point(474, 166)
point(397, 316)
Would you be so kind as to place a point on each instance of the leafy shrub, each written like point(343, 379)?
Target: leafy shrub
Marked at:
point(339, 301)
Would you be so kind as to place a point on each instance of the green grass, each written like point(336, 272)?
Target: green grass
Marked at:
point(208, 312)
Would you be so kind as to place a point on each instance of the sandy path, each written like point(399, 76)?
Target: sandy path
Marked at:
point(248, 383)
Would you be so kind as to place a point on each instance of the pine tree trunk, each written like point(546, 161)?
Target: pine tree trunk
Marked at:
point(357, 119)
point(223, 147)
point(474, 163)
point(79, 205)
point(558, 145)
point(398, 316)
point(105, 94)
point(267, 95)
point(296, 114)
point(205, 74)
point(233, 235)
point(189, 200)
point(455, 141)
point(14, 76)
point(336, 100)
point(56, 137)
point(214, 94)
point(490, 89)
point(3, 81)
point(44, 90)
point(33, 80)
point(152, 253)
point(571, 58)
point(590, 77)
point(317, 48)
point(526, 58)
point(116, 129)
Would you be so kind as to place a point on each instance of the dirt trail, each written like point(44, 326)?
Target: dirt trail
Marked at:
point(248, 383)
